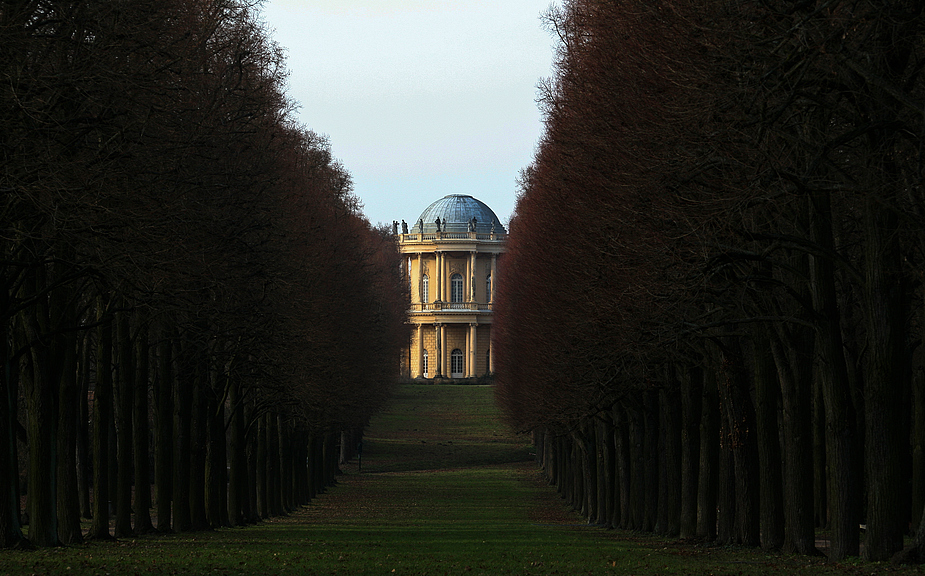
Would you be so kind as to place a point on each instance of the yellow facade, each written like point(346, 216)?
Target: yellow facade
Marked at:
point(450, 267)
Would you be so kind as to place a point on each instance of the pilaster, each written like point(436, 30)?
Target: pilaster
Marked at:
point(473, 349)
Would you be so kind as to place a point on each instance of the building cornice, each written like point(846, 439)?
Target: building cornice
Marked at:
point(451, 242)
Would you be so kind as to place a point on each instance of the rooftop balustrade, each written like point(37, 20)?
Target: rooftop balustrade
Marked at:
point(442, 236)
point(450, 306)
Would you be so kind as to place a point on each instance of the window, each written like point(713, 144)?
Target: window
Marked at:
point(425, 289)
point(456, 364)
point(456, 287)
point(424, 365)
point(488, 288)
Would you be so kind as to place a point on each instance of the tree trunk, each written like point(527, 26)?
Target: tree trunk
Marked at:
point(10, 531)
point(622, 512)
point(164, 438)
point(330, 453)
point(820, 458)
point(794, 369)
point(709, 469)
point(182, 411)
point(68, 411)
point(726, 495)
point(263, 504)
point(918, 445)
point(840, 443)
point(141, 421)
point(670, 464)
point(313, 464)
point(113, 468)
point(575, 477)
point(251, 508)
point(586, 451)
point(607, 482)
point(740, 417)
point(318, 460)
point(198, 440)
point(41, 392)
point(251, 511)
point(884, 442)
point(842, 484)
point(299, 470)
point(216, 483)
point(237, 458)
point(125, 401)
point(102, 420)
point(560, 452)
point(767, 391)
point(274, 466)
point(637, 467)
point(84, 458)
point(691, 399)
point(285, 457)
point(651, 459)
point(915, 552)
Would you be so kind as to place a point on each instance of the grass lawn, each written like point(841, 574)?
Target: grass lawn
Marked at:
point(444, 489)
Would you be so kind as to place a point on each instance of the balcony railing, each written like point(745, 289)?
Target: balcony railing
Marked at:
point(450, 306)
point(440, 236)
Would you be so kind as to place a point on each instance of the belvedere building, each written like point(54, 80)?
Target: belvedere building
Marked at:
point(451, 259)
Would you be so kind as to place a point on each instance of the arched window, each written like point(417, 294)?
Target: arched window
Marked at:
point(488, 288)
point(456, 288)
point(424, 365)
point(456, 364)
point(425, 289)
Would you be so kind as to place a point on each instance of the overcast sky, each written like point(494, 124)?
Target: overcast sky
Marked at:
point(419, 98)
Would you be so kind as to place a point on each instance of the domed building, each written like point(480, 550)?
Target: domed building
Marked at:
point(451, 254)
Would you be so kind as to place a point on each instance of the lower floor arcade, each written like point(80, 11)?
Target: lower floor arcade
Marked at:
point(449, 350)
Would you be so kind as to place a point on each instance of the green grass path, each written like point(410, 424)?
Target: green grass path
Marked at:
point(445, 488)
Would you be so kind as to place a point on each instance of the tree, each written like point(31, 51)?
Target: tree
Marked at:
point(727, 187)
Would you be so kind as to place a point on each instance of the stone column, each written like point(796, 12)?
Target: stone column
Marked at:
point(473, 349)
point(494, 277)
point(444, 291)
point(438, 354)
point(491, 352)
point(420, 371)
point(438, 285)
point(471, 274)
point(421, 280)
point(444, 353)
point(410, 279)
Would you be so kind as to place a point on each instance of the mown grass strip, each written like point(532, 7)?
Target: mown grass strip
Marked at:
point(445, 489)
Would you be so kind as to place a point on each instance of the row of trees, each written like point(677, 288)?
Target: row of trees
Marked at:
point(191, 303)
point(711, 307)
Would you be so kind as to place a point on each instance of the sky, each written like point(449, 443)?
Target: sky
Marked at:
point(419, 98)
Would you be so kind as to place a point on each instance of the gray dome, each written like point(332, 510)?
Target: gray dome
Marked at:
point(456, 211)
